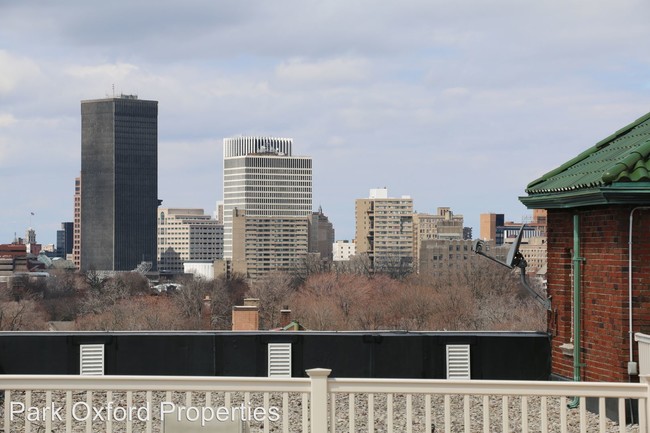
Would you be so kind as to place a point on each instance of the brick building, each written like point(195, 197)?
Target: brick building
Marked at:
point(598, 223)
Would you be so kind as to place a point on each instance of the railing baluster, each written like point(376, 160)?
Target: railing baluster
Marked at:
point(7, 404)
point(188, 398)
point(427, 412)
point(28, 404)
point(152, 410)
point(333, 411)
point(109, 420)
point(621, 415)
point(266, 409)
point(247, 399)
point(305, 413)
point(389, 413)
point(524, 414)
point(583, 415)
point(68, 411)
point(227, 399)
point(285, 412)
point(129, 404)
point(563, 427)
point(48, 418)
point(486, 414)
point(467, 421)
point(447, 405)
point(601, 415)
point(351, 421)
point(642, 415)
point(371, 413)
point(409, 413)
point(89, 420)
point(543, 406)
point(505, 410)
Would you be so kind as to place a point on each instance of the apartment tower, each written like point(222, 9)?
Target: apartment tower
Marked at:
point(187, 235)
point(76, 239)
point(268, 185)
point(443, 225)
point(119, 174)
point(384, 230)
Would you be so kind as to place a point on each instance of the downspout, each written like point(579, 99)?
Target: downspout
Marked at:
point(577, 280)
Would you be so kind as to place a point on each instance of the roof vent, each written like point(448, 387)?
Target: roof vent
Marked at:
point(458, 362)
point(91, 359)
point(279, 359)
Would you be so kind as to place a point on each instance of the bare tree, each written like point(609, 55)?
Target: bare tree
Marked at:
point(274, 291)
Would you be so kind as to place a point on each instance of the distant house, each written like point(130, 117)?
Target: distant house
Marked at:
point(598, 225)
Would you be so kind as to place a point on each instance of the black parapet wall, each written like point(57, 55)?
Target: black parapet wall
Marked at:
point(394, 354)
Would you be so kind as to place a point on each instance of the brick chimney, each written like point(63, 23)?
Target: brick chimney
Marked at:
point(206, 313)
point(285, 317)
point(246, 317)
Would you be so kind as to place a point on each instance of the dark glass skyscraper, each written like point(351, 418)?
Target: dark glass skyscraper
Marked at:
point(64, 239)
point(119, 174)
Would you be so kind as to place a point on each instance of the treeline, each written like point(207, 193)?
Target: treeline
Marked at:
point(481, 296)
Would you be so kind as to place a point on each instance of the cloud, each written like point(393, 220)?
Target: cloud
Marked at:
point(6, 119)
point(117, 71)
point(336, 71)
point(16, 71)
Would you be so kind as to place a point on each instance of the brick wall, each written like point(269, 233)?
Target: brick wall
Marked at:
point(604, 301)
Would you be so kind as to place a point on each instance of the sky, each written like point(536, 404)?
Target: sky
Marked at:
point(457, 103)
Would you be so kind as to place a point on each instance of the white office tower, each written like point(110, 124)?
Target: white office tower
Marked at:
point(264, 179)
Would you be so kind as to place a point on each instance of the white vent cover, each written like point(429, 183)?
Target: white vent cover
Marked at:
point(91, 359)
point(279, 359)
point(458, 365)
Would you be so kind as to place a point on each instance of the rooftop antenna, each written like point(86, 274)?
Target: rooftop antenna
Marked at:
point(514, 259)
point(113, 90)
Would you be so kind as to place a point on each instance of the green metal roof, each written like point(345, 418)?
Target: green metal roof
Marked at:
point(620, 162)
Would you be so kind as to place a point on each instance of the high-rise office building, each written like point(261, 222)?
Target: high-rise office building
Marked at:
point(321, 235)
point(384, 230)
point(64, 238)
point(119, 174)
point(489, 223)
point(262, 178)
point(187, 235)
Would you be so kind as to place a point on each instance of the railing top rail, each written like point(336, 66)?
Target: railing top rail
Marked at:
point(488, 387)
point(335, 385)
point(154, 383)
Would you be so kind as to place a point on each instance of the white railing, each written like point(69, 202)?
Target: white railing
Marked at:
point(318, 404)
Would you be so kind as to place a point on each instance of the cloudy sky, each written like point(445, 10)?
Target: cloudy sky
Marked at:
point(456, 103)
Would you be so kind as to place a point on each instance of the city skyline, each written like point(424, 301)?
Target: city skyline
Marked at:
point(457, 105)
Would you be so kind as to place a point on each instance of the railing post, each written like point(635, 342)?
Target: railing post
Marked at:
point(644, 369)
point(319, 399)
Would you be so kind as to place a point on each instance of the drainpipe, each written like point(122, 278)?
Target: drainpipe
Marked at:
point(577, 280)
point(631, 365)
